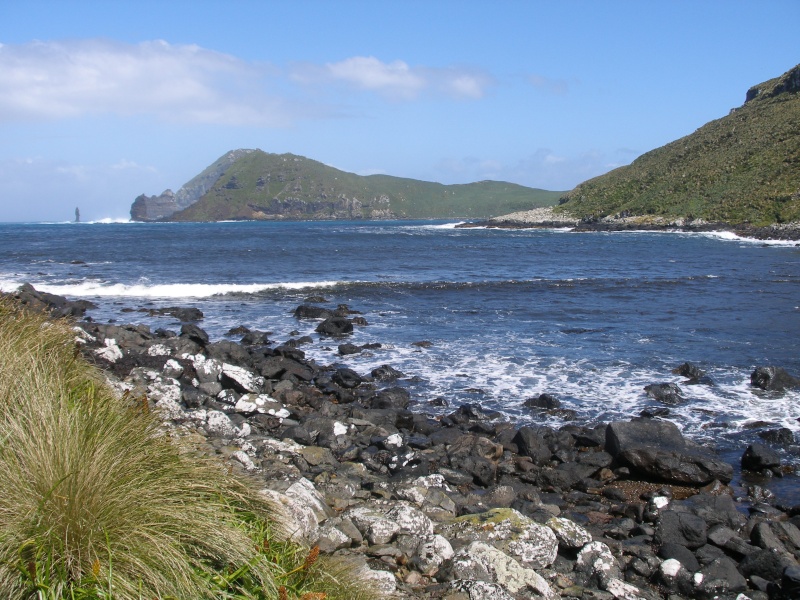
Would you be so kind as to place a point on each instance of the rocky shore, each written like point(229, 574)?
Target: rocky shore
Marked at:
point(466, 505)
point(549, 218)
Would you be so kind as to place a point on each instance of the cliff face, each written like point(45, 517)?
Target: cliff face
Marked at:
point(163, 206)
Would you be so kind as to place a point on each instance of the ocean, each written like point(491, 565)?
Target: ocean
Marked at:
point(591, 318)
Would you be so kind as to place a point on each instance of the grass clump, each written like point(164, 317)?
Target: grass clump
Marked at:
point(97, 501)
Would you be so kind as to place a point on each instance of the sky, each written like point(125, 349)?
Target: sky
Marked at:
point(101, 101)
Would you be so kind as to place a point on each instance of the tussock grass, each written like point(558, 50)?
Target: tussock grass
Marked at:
point(97, 501)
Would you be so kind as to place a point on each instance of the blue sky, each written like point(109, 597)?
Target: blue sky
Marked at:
point(103, 101)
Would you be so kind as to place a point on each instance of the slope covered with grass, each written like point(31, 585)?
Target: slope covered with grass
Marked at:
point(742, 168)
point(97, 500)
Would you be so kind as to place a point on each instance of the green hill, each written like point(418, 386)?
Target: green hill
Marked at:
point(742, 168)
point(263, 186)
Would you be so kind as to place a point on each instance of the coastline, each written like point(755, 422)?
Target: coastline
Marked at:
point(434, 507)
point(548, 218)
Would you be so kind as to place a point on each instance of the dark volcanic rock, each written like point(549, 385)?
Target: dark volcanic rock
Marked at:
point(305, 311)
point(183, 314)
point(758, 457)
point(57, 306)
point(668, 393)
point(684, 529)
point(335, 326)
point(194, 333)
point(544, 401)
point(773, 379)
point(656, 449)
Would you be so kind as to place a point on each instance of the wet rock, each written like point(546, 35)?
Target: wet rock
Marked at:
point(690, 371)
point(185, 315)
point(666, 393)
point(657, 449)
point(773, 379)
point(305, 311)
point(385, 373)
point(758, 457)
point(335, 327)
point(543, 401)
point(782, 436)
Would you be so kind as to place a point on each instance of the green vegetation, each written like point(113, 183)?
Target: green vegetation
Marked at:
point(742, 168)
point(97, 500)
point(284, 186)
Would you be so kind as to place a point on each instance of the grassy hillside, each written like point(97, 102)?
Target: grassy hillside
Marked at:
point(285, 186)
point(744, 167)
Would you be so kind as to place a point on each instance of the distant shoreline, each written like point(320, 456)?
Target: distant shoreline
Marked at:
point(547, 218)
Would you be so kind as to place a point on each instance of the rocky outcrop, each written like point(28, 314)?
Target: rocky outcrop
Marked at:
point(163, 206)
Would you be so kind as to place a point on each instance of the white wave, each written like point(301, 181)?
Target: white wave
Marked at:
point(110, 220)
point(730, 236)
point(98, 289)
point(444, 225)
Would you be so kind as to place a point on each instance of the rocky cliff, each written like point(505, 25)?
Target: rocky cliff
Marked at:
point(163, 206)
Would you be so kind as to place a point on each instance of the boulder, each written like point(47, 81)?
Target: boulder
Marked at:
point(666, 393)
point(681, 528)
point(483, 562)
point(719, 578)
point(305, 311)
point(194, 333)
point(656, 449)
point(535, 546)
point(758, 457)
point(335, 326)
point(773, 379)
point(532, 443)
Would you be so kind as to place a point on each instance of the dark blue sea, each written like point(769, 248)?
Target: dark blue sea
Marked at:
point(591, 318)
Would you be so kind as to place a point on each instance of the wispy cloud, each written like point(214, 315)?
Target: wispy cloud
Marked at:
point(180, 83)
point(396, 80)
point(543, 168)
point(558, 87)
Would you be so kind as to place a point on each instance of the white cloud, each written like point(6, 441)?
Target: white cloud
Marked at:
point(180, 83)
point(395, 80)
point(371, 74)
